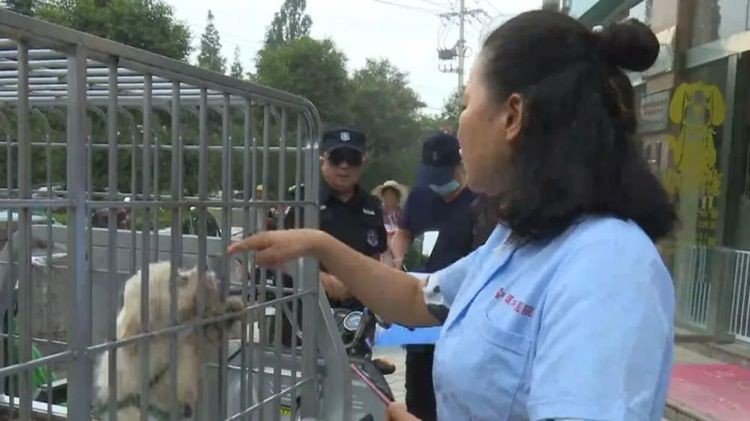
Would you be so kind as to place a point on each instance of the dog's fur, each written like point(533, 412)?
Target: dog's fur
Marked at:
point(190, 290)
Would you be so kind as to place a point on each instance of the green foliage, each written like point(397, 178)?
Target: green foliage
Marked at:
point(237, 70)
point(376, 99)
point(210, 56)
point(387, 110)
point(384, 106)
point(451, 110)
point(145, 24)
point(313, 69)
point(289, 23)
point(24, 7)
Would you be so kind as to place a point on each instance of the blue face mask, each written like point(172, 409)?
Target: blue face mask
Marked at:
point(446, 189)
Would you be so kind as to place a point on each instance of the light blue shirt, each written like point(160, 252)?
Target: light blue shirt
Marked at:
point(579, 327)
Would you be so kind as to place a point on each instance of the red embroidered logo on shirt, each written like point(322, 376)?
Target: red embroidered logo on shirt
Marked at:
point(519, 306)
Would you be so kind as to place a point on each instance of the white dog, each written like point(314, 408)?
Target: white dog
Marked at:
point(190, 289)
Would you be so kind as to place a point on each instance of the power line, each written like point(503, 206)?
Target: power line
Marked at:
point(407, 7)
point(490, 4)
point(460, 50)
point(434, 3)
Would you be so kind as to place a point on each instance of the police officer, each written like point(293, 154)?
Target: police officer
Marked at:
point(347, 212)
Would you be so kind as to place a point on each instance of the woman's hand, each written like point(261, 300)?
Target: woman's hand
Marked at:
point(334, 288)
point(397, 412)
point(274, 248)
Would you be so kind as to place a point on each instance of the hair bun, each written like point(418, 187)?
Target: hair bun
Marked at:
point(630, 45)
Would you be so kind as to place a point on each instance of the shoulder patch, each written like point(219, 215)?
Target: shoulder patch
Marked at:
point(368, 211)
point(372, 238)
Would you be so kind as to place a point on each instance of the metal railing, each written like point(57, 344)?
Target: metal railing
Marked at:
point(739, 323)
point(694, 288)
point(713, 291)
point(107, 121)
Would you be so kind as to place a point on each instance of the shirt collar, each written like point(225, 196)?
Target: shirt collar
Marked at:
point(327, 194)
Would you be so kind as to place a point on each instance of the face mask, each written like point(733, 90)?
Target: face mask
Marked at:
point(446, 189)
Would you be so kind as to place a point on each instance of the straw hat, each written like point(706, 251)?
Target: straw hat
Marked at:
point(392, 184)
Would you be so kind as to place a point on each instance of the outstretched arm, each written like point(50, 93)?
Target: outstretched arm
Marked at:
point(394, 295)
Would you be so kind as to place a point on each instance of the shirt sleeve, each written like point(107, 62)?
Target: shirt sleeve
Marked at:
point(404, 219)
point(442, 287)
point(606, 337)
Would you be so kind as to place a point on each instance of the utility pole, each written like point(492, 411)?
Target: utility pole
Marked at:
point(461, 45)
point(459, 50)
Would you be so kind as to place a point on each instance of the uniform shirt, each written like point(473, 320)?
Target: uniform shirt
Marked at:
point(357, 223)
point(425, 210)
point(578, 327)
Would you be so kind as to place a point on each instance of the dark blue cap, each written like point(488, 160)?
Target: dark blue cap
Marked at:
point(343, 138)
point(440, 157)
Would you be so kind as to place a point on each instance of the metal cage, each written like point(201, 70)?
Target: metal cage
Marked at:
point(114, 158)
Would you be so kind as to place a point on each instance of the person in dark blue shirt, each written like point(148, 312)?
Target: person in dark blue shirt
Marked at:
point(439, 202)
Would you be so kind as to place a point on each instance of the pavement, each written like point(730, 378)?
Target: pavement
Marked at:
point(702, 389)
point(396, 380)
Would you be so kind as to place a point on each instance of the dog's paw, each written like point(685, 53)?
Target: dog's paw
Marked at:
point(234, 305)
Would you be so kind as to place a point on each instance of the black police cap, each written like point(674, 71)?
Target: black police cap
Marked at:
point(343, 138)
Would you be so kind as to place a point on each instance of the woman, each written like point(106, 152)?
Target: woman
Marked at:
point(393, 196)
point(566, 312)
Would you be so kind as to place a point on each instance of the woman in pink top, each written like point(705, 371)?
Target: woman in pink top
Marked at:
point(393, 196)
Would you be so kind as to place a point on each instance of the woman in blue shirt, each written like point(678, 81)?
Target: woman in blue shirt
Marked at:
point(566, 312)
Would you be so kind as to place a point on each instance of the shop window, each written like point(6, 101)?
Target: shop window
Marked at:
point(717, 19)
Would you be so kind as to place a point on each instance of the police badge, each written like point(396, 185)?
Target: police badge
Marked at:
point(372, 238)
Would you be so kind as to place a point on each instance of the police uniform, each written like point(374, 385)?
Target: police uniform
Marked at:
point(357, 222)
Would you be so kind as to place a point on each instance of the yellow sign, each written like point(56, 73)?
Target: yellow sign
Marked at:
point(698, 109)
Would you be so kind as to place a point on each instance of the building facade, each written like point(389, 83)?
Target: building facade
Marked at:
point(694, 114)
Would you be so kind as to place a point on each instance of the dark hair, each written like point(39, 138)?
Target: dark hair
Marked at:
point(577, 154)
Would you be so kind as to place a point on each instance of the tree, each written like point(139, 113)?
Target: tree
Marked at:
point(387, 110)
point(145, 24)
point(289, 23)
point(310, 68)
point(24, 7)
point(210, 53)
point(384, 105)
point(452, 109)
point(237, 70)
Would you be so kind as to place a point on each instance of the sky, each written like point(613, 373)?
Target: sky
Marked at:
point(406, 32)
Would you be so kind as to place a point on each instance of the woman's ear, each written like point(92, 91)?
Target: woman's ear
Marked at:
point(513, 115)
